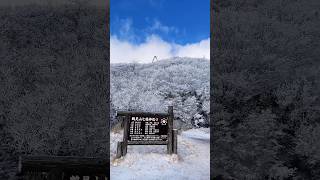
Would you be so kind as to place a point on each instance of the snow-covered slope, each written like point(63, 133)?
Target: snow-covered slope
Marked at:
point(152, 163)
point(182, 82)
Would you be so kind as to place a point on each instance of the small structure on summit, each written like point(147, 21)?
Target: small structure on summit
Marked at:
point(155, 58)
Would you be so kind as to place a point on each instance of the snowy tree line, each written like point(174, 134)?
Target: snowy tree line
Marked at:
point(53, 82)
point(181, 82)
point(266, 89)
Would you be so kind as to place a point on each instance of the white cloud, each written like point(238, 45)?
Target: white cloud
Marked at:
point(200, 49)
point(126, 30)
point(157, 25)
point(126, 26)
point(122, 51)
point(156, 3)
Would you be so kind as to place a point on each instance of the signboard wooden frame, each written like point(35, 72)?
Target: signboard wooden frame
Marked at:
point(129, 117)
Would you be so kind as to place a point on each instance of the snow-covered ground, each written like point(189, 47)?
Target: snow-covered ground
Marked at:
point(152, 163)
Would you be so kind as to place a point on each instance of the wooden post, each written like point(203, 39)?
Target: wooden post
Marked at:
point(20, 165)
point(34, 175)
point(101, 177)
point(38, 176)
point(27, 176)
point(125, 135)
point(170, 127)
point(55, 174)
point(119, 149)
point(66, 176)
point(175, 141)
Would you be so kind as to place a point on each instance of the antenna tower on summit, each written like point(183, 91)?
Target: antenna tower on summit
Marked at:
point(155, 58)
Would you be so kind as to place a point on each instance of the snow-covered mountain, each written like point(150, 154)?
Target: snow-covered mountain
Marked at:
point(181, 82)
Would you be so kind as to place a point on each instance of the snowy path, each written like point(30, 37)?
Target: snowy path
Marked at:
point(152, 162)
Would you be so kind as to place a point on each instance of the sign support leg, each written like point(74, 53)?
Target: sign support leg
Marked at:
point(125, 136)
point(175, 141)
point(119, 149)
point(170, 127)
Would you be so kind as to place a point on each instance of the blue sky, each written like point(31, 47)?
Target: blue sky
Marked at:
point(163, 28)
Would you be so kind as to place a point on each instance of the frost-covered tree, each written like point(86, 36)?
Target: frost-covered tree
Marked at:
point(181, 82)
point(265, 89)
point(53, 82)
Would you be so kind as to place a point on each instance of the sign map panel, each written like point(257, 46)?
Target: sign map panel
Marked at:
point(148, 130)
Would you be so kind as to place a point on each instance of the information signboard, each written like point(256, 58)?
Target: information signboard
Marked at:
point(148, 130)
